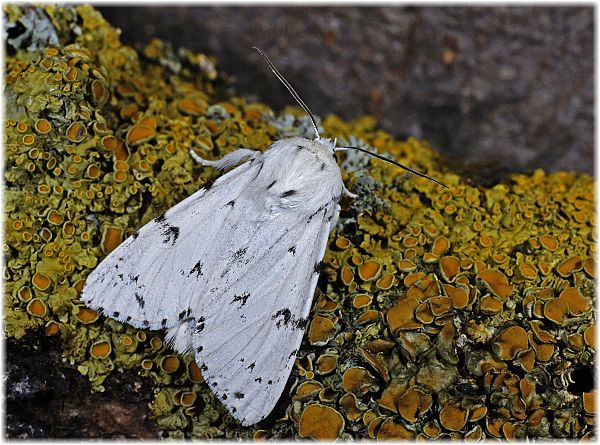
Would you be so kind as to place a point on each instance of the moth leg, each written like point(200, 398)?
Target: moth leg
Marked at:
point(229, 160)
point(348, 193)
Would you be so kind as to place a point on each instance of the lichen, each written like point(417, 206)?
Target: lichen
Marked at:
point(460, 313)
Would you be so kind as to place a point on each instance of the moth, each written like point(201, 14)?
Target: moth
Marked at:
point(230, 271)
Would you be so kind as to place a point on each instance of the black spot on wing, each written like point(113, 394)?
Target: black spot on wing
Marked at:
point(171, 233)
point(271, 185)
point(238, 395)
point(243, 298)
point(181, 315)
point(251, 366)
point(197, 269)
point(319, 267)
point(292, 250)
point(127, 320)
point(140, 300)
point(292, 354)
point(258, 380)
point(161, 218)
point(323, 166)
point(301, 323)
point(286, 316)
point(199, 349)
point(239, 254)
point(115, 314)
point(288, 193)
point(300, 147)
point(135, 235)
point(163, 323)
point(231, 203)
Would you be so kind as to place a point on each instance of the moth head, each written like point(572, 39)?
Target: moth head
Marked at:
point(327, 144)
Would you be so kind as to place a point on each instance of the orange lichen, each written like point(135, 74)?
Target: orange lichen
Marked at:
point(41, 281)
point(439, 305)
point(347, 275)
point(187, 398)
point(402, 315)
point(86, 315)
point(510, 342)
point(348, 402)
point(101, 349)
point(25, 294)
point(76, 132)
point(549, 242)
point(556, 310)
point(55, 218)
point(369, 270)
point(138, 134)
point(170, 363)
point(156, 343)
point(51, 328)
point(589, 265)
point(322, 329)
point(440, 246)
point(194, 372)
point(453, 416)
point(578, 304)
point(362, 300)
point(589, 401)
point(358, 380)
point(111, 238)
point(326, 363)
point(459, 296)
point(42, 126)
point(526, 359)
point(568, 266)
point(37, 308)
point(320, 422)
point(406, 266)
point(390, 429)
point(589, 335)
point(385, 282)
point(414, 403)
point(490, 305)
point(449, 267)
point(496, 282)
point(307, 389)
point(423, 313)
point(369, 316)
point(193, 105)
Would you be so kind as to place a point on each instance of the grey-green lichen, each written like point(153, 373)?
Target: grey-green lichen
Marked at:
point(466, 313)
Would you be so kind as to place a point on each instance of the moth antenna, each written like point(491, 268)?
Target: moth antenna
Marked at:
point(397, 164)
point(290, 89)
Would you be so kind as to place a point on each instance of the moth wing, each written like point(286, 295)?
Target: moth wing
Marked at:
point(151, 279)
point(247, 338)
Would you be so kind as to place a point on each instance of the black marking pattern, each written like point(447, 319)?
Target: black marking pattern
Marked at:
point(292, 250)
point(140, 300)
point(288, 193)
point(197, 269)
point(319, 267)
point(243, 298)
point(171, 233)
point(287, 319)
point(238, 395)
point(271, 185)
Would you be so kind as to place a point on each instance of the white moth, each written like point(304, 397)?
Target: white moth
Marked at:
point(230, 271)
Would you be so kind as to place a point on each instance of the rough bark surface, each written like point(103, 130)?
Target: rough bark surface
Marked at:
point(45, 398)
point(510, 87)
